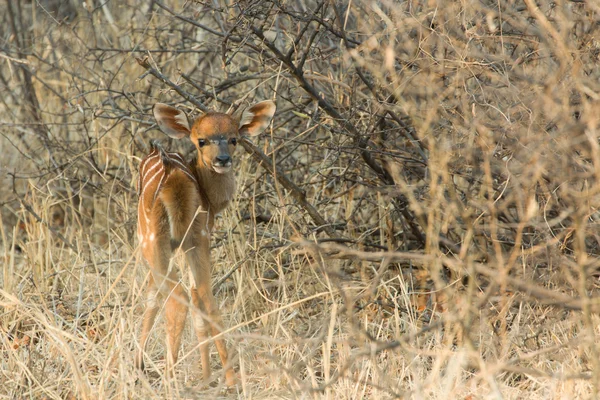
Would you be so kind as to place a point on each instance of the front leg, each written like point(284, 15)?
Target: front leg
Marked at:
point(198, 259)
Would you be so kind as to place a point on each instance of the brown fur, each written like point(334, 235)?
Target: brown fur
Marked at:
point(178, 202)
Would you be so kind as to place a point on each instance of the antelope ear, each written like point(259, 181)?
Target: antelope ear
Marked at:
point(256, 118)
point(171, 121)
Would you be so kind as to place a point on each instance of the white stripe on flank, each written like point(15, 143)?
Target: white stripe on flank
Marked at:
point(150, 169)
point(153, 177)
point(156, 164)
point(148, 158)
point(162, 179)
point(146, 184)
point(141, 171)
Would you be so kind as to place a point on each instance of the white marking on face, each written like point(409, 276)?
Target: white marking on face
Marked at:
point(203, 232)
point(152, 237)
point(221, 170)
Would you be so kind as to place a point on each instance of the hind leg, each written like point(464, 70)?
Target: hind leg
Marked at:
point(147, 321)
point(157, 258)
point(175, 315)
point(165, 283)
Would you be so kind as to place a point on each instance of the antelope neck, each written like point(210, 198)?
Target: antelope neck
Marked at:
point(218, 189)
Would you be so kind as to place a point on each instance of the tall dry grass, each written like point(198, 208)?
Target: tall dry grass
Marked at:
point(419, 222)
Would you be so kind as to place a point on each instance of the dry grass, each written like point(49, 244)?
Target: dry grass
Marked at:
point(450, 147)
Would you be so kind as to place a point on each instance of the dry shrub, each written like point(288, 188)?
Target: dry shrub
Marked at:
point(422, 222)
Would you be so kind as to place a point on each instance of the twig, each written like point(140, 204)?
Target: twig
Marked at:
point(406, 129)
point(39, 219)
point(545, 296)
point(29, 88)
point(359, 140)
point(15, 60)
point(204, 91)
point(227, 36)
point(297, 193)
point(144, 63)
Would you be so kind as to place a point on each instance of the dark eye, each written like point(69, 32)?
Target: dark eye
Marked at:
point(201, 142)
point(233, 141)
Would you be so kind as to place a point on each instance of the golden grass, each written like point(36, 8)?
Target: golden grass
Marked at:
point(482, 119)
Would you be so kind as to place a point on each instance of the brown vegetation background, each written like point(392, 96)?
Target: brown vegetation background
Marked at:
point(420, 221)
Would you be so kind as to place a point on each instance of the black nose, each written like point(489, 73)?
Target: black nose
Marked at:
point(223, 159)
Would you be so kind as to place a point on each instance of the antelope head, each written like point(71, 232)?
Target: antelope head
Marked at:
point(214, 134)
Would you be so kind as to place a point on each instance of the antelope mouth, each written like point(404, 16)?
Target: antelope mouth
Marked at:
point(220, 169)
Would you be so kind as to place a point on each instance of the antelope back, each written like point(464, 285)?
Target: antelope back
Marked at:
point(155, 169)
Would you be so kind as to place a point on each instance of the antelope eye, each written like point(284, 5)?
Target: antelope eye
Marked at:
point(233, 141)
point(201, 142)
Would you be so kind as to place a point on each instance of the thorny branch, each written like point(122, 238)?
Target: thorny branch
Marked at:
point(359, 139)
point(297, 193)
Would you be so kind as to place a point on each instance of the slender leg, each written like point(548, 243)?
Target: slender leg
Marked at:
point(199, 262)
point(215, 323)
point(166, 284)
point(175, 315)
point(147, 321)
point(158, 261)
point(201, 333)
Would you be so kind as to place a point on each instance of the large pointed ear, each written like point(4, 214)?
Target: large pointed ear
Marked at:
point(256, 118)
point(171, 121)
